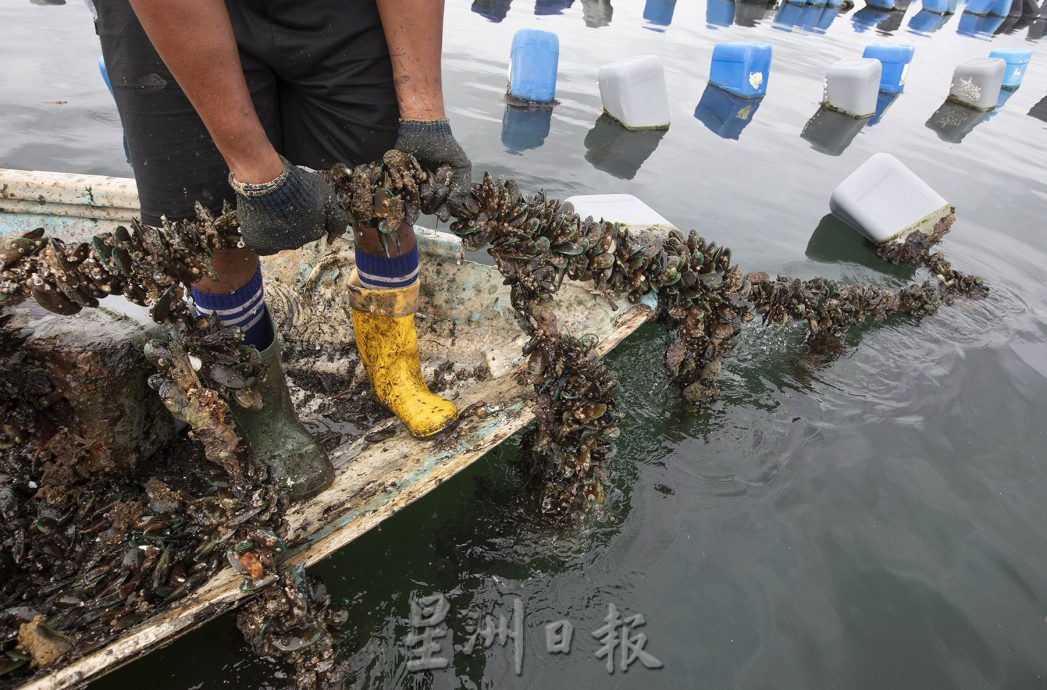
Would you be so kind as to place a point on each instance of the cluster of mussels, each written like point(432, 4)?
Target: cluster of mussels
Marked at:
point(149, 265)
point(28, 399)
point(74, 576)
point(293, 620)
point(831, 308)
point(536, 243)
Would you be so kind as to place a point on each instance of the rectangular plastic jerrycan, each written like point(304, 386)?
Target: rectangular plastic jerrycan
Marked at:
point(533, 63)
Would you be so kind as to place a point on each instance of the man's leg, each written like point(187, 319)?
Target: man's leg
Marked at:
point(175, 161)
point(176, 166)
point(338, 104)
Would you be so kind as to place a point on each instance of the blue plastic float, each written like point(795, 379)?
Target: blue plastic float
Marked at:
point(532, 66)
point(659, 13)
point(724, 113)
point(719, 12)
point(741, 68)
point(1017, 60)
point(815, 18)
point(881, 4)
point(895, 60)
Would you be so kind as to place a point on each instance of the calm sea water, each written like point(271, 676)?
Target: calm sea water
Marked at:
point(877, 522)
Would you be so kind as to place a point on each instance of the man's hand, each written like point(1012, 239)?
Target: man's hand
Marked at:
point(433, 144)
point(414, 31)
point(295, 208)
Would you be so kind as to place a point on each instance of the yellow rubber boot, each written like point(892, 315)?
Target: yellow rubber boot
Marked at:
point(383, 322)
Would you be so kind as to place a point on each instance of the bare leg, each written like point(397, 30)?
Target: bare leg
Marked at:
point(368, 242)
point(234, 268)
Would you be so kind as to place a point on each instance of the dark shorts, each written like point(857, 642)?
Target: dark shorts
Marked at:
point(319, 74)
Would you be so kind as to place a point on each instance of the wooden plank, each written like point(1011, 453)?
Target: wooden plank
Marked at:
point(373, 483)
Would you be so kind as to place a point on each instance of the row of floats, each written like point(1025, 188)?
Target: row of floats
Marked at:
point(980, 18)
point(856, 92)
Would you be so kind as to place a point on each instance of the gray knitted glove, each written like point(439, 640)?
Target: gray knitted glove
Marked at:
point(295, 208)
point(433, 145)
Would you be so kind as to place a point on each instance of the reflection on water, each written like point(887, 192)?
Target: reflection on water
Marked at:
point(926, 22)
point(1039, 111)
point(614, 149)
point(495, 10)
point(978, 26)
point(597, 13)
point(658, 14)
point(1005, 95)
point(749, 14)
point(525, 127)
point(833, 241)
point(883, 102)
point(953, 121)
point(807, 17)
point(551, 7)
point(869, 18)
point(719, 13)
point(725, 113)
point(831, 132)
point(1039, 26)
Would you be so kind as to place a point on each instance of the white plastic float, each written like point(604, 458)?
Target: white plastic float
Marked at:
point(633, 92)
point(852, 86)
point(618, 208)
point(976, 83)
point(885, 201)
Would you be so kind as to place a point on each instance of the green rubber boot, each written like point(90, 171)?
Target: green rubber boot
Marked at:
point(276, 437)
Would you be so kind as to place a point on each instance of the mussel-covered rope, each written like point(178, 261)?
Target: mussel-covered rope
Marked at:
point(536, 243)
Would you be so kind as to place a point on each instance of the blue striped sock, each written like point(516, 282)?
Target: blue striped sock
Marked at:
point(243, 307)
point(380, 273)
